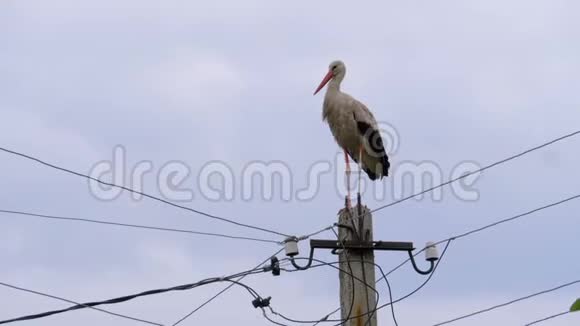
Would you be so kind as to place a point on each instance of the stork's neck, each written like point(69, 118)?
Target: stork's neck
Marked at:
point(334, 85)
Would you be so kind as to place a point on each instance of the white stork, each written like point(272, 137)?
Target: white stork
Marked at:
point(353, 126)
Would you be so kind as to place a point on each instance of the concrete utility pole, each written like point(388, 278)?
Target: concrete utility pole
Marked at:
point(361, 266)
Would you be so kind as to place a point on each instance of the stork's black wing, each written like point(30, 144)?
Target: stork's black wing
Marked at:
point(375, 148)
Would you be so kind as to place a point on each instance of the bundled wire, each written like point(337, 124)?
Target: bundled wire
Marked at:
point(224, 290)
point(184, 287)
point(74, 302)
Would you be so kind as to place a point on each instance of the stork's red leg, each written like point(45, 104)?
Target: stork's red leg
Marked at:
point(347, 172)
point(346, 160)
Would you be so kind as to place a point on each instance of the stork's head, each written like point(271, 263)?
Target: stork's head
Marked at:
point(336, 72)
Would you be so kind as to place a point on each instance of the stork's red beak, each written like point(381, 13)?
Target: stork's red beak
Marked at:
point(326, 79)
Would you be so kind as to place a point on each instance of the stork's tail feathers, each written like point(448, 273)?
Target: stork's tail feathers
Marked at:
point(385, 165)
point(382, 169)
point(370, 173)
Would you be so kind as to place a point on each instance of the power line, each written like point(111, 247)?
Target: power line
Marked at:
point(471, 232)
point(487, 167)
point(405, 296)
point(468, 233)
point(508, 303)
point(325, 319)
point(560, 202)
point(227, 288)
point(322, 263)
point(223, 219)
point(423, 284)
point(265, 314)
point(69, 301)
point(352, 278)
point(76, 219)
point(146, 293)
point(494, 224)
point(308, 236)
point(390, 303)
point(548, 318)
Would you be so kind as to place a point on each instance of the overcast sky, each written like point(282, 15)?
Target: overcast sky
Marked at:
point(231, 82)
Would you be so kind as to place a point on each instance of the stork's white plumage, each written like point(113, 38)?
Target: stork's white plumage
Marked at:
point(353, 126)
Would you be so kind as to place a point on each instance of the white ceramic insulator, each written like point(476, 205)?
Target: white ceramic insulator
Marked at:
point(431, 252)
point(291, 247)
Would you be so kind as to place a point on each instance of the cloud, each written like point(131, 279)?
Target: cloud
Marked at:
point(194, 81)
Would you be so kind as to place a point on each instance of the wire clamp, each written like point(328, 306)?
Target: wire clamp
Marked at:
point(261, 302)
point(274, 266)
